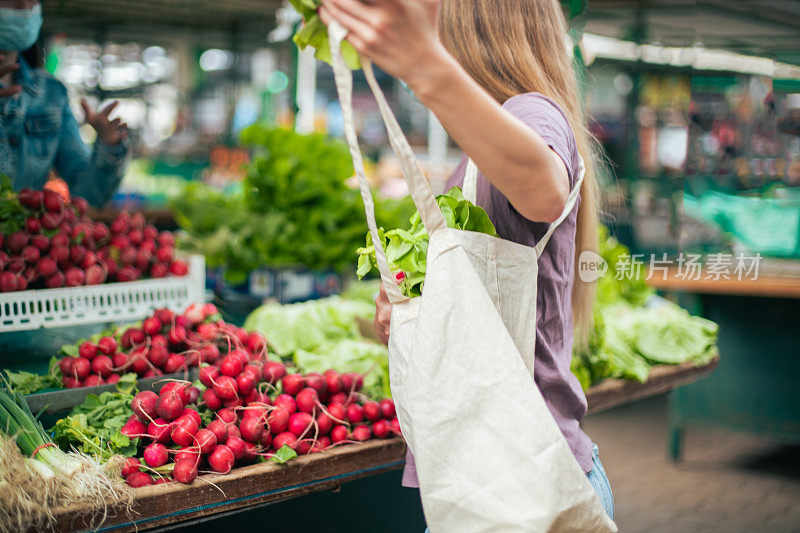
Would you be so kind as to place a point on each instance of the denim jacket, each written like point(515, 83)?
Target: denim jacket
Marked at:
point(38, 133)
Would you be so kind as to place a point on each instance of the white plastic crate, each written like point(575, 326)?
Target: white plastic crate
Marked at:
point(109, 302)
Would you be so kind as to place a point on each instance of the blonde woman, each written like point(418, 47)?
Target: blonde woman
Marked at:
point(498, 75)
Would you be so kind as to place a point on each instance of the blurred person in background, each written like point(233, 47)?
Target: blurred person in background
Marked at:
point(38, 132)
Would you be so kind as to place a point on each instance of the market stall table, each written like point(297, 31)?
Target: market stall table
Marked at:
point(754, 388)
point(264, 483)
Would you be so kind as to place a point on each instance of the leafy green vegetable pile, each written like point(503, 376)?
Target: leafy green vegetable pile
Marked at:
point(294, 208)
point(27, 382)
point(628, 338)
point(407, 249)
point(322, 334)
point(314, 33)
point(94, 426)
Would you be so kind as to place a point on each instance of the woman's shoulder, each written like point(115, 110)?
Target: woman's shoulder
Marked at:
point(549, 120)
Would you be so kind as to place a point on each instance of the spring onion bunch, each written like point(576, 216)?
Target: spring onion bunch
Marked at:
point(36, 476)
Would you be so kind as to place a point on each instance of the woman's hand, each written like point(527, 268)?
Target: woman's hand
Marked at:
point(109, 132)
point(5, 71)
point(383, 315)
point(400, 36)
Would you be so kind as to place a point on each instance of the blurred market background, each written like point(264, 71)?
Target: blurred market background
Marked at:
point(696, 104)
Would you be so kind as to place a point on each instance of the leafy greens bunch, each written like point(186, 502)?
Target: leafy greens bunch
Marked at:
point(294, 207)
point(314, 33)
point(407, 249)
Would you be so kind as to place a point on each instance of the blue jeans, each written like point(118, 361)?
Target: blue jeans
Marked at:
point(599, 480)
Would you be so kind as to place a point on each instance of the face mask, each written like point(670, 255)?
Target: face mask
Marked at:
point(19, 28)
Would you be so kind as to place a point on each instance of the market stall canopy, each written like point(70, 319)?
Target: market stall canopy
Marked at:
point(245, 21)
point(767, 28)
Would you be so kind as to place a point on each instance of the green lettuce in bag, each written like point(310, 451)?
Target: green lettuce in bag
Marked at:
point(314, 33)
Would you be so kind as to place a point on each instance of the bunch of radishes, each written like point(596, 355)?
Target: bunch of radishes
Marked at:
point(59, 245)
point(258, 410)
point(165, 343)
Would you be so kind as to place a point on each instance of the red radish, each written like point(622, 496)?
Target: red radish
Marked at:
point(169, 405)
point(324, 424)
point(246, 382)
point(30, 198)
point(251, 428)
point(210, 353)
point(95, 275)
point(242, 356)
point(166, 238)
point(179, 268)
point(226, 387)
point(160, 339)
point(152, 373)
point(120, 224)
point(206, 440)
point(257, 411)
point(255, 342)
point(194, 394)
point(227, 415)
point(107, 345)
point(128, 273)
point(355, 413)
point(194, 313)
point(237, 446)
point(130, 466)
point(292, 384)
point(307, 400)
point(274, 371)
point(231, 366)
point(93, 380)
point(30, 254)
point(211, 399)
point(185, 471)
point(251, 450)
point(151, 326)
point(266, 440)
point(59, 240)
point(394, 423)
point(317, 382)
point(144, 405)
point(361, 433)
point(33, 225)
point(177, 336)
point(66, 365)
point(175, 362)
point(160, 430)
point(209, 309)
point(113, 378)
point(81, 368)
point(338, 434)
point(53, 202)
point(77, 254)
point(233, 431)
point(41, 242)
point(221, 459)
point(372, 411)
point(284, 439)
point(184, 430)
point(102, 365)
point(381, 429)
point(252, 369)
point(138, 479)
point(139, 363)
point(348, 382)
point(70, 383)
point(323, 444)
point(87, 350)
point(278, 420)
point(337, 411)
point(340, 397)
point(219, 429)
point(333, 382)
point(74, 277)
point(136, 237)
point(178, 387)
point(387, 408)
point(88, 260)
point(155, 455)
point(120, 360)
point(100, 231)
point(8, 282)
point(188, 453)
point(188, 411)
point(22, 282)
point(158, 355)
point(16, 242)
point(53, 282)
point(60, 254)
point(287, 402)
point(299, 424)
point(134, 428)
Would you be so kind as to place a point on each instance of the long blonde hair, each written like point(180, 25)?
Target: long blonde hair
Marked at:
point(512, 47)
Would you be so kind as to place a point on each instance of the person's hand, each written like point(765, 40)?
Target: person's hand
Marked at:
point(109, 132)
point(383, 315)
point(400, 36)
point(11, 90)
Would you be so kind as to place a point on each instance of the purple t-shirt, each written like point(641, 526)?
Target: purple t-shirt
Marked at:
point(559, 387)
